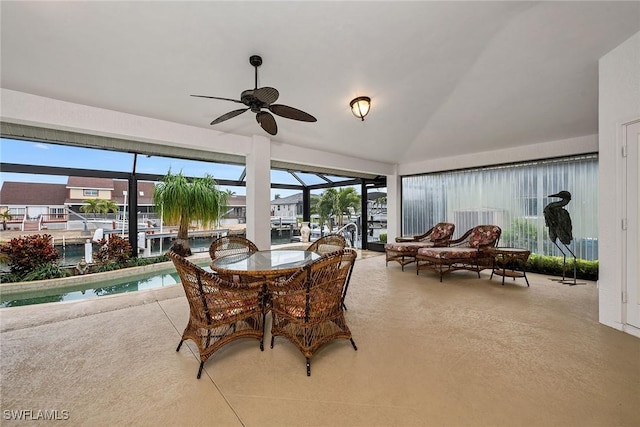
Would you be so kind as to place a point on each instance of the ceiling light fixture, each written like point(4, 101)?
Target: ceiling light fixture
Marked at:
point(360, 106)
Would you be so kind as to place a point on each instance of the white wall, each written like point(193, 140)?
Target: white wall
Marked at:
point(545, 150)
point(619, 103)
point(27, 109)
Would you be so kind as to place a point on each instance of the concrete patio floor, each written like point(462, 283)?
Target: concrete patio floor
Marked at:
point(464, 352)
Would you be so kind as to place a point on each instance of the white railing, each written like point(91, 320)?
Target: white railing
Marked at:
point(344, 228)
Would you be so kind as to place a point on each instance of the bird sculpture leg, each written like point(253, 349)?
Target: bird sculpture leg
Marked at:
point(575, 262)
point(564, 257)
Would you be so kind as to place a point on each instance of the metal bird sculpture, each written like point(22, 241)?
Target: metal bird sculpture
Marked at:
point(558, 221)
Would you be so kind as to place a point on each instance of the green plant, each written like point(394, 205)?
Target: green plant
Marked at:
point(6, 216)
point(347, 198)
point(552, 265)
point(116, 250)
point(383, 237)
point(50, 270)
point(27, 253)
point(181, 201)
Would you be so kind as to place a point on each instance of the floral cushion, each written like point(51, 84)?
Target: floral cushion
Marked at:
point(407, 247)
point(484, 235)
point(449, 253)
point(295, 304)
point(441, 231)
point(220, 309)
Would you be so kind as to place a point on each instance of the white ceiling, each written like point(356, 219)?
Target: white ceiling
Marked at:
point(445, 78)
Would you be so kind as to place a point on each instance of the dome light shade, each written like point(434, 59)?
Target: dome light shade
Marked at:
point(360, 106)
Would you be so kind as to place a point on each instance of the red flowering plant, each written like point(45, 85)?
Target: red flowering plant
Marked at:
point(26, 254)
point(116, 250)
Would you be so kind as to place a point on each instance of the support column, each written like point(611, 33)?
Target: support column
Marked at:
point(133, 214)
point(306, 204)
point(364, 216)
point(394, 204)
point(259, 192)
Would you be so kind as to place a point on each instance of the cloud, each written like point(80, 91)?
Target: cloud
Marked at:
point(41, 146)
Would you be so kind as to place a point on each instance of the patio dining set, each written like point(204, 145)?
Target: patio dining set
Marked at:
point(302, 290)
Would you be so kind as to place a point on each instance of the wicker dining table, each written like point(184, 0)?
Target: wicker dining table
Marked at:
point(264, 264)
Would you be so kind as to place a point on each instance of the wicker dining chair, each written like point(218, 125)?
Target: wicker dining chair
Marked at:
point(219, 311)
point(328, 244)
point(307, 308)
point(231, 245)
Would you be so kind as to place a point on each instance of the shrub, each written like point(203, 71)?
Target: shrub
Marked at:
point(383, 237)
point(552, 265)
point(116, 250)
point(26, 254)
point(50, 270)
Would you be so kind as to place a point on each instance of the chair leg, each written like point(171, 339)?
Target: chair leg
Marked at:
point(272, 337)
point(200, 370)
point(264, 318)
point(179, 345)
point(308, 367)
point(353, 343)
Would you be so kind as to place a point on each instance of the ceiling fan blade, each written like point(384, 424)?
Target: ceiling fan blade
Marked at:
point(229, 115)
point(267, 122)
point(291, 113)
point(217, 97)
point(267, 95)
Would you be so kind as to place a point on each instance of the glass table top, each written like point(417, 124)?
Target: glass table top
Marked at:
point(265, 261)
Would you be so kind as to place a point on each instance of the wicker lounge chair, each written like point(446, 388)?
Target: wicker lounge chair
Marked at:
point(231, 245)
point(219, 311)
point(466, 253)
point(404, 250)
point(307, 308)
point(328, 244)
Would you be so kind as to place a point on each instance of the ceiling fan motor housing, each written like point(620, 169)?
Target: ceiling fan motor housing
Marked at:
point(255, 60)
point(247, 97)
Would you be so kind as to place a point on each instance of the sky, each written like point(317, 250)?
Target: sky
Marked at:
point(43, 154)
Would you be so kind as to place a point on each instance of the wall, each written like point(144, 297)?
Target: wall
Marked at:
point(619, 103)
point(545, 150)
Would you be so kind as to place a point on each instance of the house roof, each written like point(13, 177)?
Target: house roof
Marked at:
point(289, 200)
point(90, 183)
point(32, 194)
point(375, 195)
point(145, 191)
point(237, 201)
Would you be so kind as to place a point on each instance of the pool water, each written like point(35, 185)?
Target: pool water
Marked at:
point(151, 280)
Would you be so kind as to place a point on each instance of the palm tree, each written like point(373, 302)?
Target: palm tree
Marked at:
point(105, 206)
point(91, 206)
point(327, 206)
point(181, 201)
point(347, 198)
point(6, 216)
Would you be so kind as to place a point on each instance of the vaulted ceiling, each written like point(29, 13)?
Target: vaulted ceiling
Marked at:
point(445, 78)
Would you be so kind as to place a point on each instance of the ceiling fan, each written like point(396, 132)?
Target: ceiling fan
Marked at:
point(258, 98)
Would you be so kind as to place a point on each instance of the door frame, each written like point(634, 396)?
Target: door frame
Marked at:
point(630, 221)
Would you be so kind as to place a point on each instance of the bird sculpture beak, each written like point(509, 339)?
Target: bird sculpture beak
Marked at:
point(554, 195)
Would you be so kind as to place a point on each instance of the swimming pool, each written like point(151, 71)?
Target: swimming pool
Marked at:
point(130, 283)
